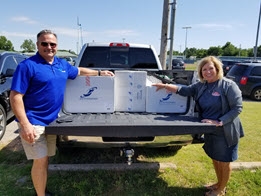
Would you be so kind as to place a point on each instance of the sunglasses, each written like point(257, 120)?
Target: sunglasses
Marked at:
point(44, 44)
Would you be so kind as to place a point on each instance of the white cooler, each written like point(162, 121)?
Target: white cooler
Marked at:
point(164, 101)
point(89, 94)
point(130, 91)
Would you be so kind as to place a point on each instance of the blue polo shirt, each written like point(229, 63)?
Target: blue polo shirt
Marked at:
point(43, 86)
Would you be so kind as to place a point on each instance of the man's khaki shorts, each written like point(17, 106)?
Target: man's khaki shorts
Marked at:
point(45, 145)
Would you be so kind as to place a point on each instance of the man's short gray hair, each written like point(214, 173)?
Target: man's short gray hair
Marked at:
point(45, 31)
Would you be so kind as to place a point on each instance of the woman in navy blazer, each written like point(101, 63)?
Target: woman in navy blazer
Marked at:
point(219, 102)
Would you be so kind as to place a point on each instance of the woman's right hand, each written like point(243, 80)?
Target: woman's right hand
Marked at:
point(159, 86)
point(168, 87)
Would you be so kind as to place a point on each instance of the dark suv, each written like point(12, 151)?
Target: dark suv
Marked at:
point(228, 64)
point(8, 64)
point(178, 63)
point(248, 78)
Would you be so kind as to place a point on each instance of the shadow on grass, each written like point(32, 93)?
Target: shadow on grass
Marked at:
point(13, 152)
point(114, 183)
point(75, 155)
point(95, 182)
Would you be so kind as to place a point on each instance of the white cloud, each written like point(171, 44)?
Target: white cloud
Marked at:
point(214, 26)
point(17, 34)
point(65, 31)
point(117, 33)
point(24, 20)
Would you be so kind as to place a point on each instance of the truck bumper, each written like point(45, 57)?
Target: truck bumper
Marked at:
point(99, 142)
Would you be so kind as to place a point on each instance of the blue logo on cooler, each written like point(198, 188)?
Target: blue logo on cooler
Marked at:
point(90, 91)
point(166, 98)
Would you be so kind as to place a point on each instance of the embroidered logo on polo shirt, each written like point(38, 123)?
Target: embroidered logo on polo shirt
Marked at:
point(61, 70)
point(216, 94)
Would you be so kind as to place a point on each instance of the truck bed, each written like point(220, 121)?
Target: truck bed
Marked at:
point(124, 124)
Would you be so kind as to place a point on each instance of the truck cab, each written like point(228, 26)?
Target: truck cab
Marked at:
point(118, 56)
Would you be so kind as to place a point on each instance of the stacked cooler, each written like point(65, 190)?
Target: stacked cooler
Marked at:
point(127, 91)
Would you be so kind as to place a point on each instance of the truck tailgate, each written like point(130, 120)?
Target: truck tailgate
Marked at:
point(121, 124)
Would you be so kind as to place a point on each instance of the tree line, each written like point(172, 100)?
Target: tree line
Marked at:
point(227, 50)
point(27, 46)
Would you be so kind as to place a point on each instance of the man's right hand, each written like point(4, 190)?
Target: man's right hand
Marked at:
point(28, 133)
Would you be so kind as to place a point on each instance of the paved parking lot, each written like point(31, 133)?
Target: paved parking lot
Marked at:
point(10, 133)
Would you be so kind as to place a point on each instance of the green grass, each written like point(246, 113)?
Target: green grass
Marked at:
point(194, 169)
point(191, 66)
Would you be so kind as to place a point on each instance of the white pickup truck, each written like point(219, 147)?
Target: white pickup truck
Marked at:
point(128, 129)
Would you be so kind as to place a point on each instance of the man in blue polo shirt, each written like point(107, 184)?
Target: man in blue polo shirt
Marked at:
point(36, 98)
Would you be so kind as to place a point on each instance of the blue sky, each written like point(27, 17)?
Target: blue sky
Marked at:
point(212, 22)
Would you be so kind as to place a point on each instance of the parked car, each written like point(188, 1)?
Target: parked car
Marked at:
point(8, 64)
point(248, 78)
point(178, 63)
point(251, 61)
point(228, 64)
point(69, 59)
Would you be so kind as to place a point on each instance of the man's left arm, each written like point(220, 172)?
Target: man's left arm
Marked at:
point(83, 71)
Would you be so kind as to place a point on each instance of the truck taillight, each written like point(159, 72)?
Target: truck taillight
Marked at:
point(119, 45)
point(243, 80)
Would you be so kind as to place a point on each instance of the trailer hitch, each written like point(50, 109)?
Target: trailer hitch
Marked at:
point(128, 154)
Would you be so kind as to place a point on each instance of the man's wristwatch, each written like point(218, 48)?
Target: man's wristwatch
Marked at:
point(99, 72)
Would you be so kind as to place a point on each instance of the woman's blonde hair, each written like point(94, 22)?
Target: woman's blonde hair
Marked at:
point(217, 63)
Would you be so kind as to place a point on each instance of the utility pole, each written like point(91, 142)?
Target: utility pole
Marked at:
point(79, 36)
point(172, 25)
point(255, 49)
point(185, 52)
point(164, 34)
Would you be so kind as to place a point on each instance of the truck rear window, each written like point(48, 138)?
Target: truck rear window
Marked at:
point(118, 57)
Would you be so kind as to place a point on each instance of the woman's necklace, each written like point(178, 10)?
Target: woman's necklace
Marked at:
point(211, 87)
